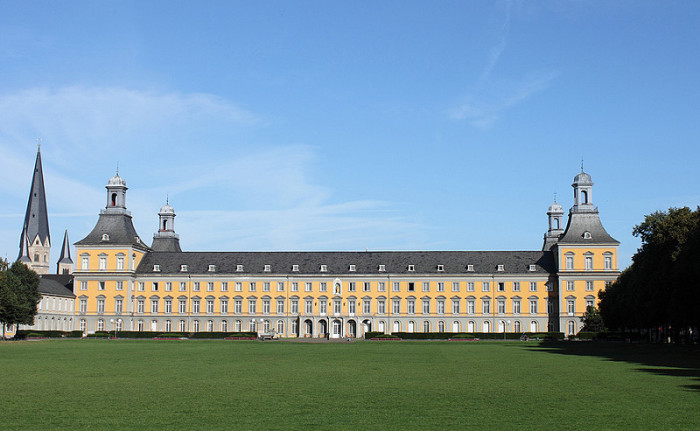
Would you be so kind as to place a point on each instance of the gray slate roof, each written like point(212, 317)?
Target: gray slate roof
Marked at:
point(588, 221)
point(396, 262)
point(166, 244)
point(56, 286)
point(36, 220)
point(120, 229)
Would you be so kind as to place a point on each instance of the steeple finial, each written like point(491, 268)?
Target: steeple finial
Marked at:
point(117, 168)
point(581, 164)
point(555, 197)
point(167, 200)
point(38, 145)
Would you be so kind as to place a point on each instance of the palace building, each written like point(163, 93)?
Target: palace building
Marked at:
point(123, 283)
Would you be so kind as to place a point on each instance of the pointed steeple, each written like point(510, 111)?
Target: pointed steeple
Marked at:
point(65, 263)
point(35, 231)
point(24, 250)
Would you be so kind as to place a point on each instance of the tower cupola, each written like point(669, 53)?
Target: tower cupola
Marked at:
point(555, 215)
point(166, 239)
point(583, 192)
point(116, 195)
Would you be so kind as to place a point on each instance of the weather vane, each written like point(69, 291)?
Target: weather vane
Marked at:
point(38, 143)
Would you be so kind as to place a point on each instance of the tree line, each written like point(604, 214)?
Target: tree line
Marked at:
point(660, 292)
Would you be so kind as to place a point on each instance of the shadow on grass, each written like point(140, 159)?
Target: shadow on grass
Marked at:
point(661, 359)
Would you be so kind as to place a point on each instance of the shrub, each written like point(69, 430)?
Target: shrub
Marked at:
point(223, 335)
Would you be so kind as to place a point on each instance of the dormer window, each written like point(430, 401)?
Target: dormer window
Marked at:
point(382, 268)
point(295, 268)
point(268, 268)
point(324, 268)
point(212, 268)
point(352, 268)
point(470, 268)
point(156, 268)
point(239, 268)
point(587, 235)
point(441, 268)
point(183, 268)
point(411, 268)
point(105, 237)
point(499, 268)
point(532, 268)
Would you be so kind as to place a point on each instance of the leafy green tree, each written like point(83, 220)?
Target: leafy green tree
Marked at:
point(19, 294)
point(592, 320)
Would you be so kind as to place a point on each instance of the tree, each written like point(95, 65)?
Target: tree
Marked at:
point(592, 320)
point(19, 294)
point(660, 291)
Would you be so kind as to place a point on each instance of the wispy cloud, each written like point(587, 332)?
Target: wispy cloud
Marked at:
point(229, 194)
point(490, 96)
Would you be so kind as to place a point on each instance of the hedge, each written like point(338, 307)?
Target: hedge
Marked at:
point(33, 333)
point(224, 335)
point(479, 335)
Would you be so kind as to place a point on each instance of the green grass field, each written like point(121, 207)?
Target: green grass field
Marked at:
point(137, 384)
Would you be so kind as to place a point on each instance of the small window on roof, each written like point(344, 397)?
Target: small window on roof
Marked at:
point(183, 268)
point(324, 268)
point(268, 268)
point(382, 268)
point(532, 267)
point(212, 268)
point(105, 237)
point(239, 268)
point(156, 268)
point(295, 268)
point(441, 268)
point(352, 268)
point(470, 268)
point(499, 268)
point(587, 235)
point(411, 268)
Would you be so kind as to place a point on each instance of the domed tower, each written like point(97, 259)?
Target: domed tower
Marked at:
point(555, 214)
point(166, 239)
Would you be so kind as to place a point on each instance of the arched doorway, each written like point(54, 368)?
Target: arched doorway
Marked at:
point(308, 328)
point(352, 329)
point(367, 326)
point(337, 331)
point(322, 328)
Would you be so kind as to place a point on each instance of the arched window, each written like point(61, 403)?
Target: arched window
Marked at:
point(533, 326)
point(455, 326)
point(114, 200)
point(516, 326)
point(280, 327)
point(486, 326)
point(571, 328)
point(396, 327)
point(411, 326)
point(441, 326)
point(471, 326)
point(426, 326)
point(584, 196)
point(195, 326)
point(237, 326)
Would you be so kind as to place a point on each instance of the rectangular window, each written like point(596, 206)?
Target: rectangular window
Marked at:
point(533, 306)
point(295, 286)
point(501, 286)
point(533, 286)
point(238, 286)
point(294, 307)
point(411, 306)
point(308, 287)
point(570, 286)
point(210, 306)
point(589, 286)
point(140, 306)
point(154, 306)
point(85, 263)
point(195, 305)
point(224, 286)
point(266, 306)
point(266, 286)
point(238, 306)
point(366, 286)
point(196, 286)
point(440, 286)
point(589, 263)
point(336, 307)
point(411, 286)
point(351, 286)
point(120, 285)
point(352, 307)
point(323, 286)
point(309, 306)
point(381, 286)
point(103, 263)
point(83, 285)
point(501, 306)
point(100, 306)
point(120, 262)
point(455, 286)
point(589, 303)
point(396, 306)
point(280, 306)
point(280, 286)
point(210, 286)
point(366, 306)
point(252, 286)
point(381, 306)
point(101, 285)
point(395, 286)
point(470, 306)
point(83, 306)
point(252, 306)
point(182, 306)
point(426, 306)
point(440, 307)
point(323, 307)
point(570, 308)
point(118, 306)
point(154, 287)
point(516, 307)
point(426, 286)
point(485, 286)
point(569, 262)
point(516, 286)
point(470, 286)
point(168, 286)
point(455, 306)
point(485, 306)
point(608, 262)
point(183, 286)
point(168, 306)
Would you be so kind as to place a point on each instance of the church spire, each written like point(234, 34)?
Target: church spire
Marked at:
point(65, 263)
point(35, 239)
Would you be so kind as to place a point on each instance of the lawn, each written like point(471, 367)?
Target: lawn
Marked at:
point(213, 384)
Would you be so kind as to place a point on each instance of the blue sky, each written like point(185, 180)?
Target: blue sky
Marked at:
point(349, 125)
